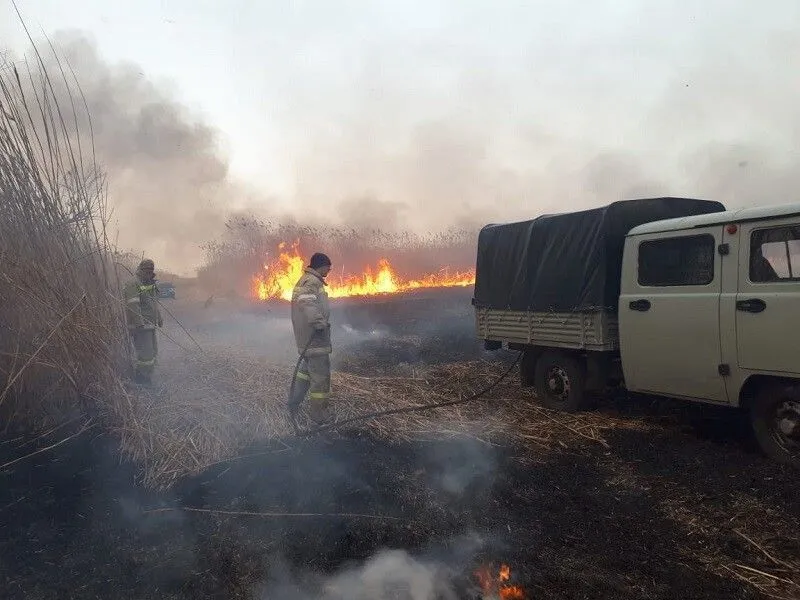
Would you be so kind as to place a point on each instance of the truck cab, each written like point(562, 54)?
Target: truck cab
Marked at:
point(709, 311)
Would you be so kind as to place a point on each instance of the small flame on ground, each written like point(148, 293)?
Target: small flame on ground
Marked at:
point(281, 275)
point(495, 587)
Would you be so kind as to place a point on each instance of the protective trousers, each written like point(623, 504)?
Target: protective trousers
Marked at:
point(146, 347)
point(314, 379)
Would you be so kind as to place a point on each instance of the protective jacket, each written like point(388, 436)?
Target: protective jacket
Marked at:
point(311, 314)
point(142, 305)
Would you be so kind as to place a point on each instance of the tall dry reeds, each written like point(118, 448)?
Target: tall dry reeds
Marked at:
point(249, 243)
point(62, 339)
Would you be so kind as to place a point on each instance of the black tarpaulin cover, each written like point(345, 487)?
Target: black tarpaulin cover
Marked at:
point(566, 262)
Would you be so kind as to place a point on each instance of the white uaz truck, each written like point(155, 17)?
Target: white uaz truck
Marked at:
point(666, 296)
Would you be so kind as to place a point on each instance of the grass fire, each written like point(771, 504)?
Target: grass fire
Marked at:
point(279, 277)
point(496, 586)
point(458, 460)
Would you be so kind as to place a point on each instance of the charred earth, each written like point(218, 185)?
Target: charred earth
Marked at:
point(673, 503)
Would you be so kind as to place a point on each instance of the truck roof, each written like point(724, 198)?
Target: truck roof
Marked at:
point(753, 213)
point(566, 262)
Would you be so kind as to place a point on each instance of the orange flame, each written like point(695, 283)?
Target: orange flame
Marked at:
point(281, 275)
point(496, 587)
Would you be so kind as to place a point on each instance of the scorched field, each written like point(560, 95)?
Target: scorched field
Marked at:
point(205, 491)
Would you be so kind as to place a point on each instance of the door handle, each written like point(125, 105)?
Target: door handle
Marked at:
point(753, 305)
point(641, 305)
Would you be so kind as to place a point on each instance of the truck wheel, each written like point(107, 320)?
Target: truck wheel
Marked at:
point(560, 382)
point(775, 417)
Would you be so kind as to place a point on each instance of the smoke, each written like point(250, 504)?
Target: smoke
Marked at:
point(432, 134)
point(651, 102)
point(388, 575)
point(391, 574)
point(439, 573)
point(168, 183)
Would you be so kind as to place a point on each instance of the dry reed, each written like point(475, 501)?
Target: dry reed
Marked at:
point(248, 243)
point(61, 336)
point(212, 406)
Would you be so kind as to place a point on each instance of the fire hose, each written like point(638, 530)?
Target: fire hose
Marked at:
point(293, 407)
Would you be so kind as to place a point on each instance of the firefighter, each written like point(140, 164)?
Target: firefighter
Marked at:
point(143, 316)
point(312, 332)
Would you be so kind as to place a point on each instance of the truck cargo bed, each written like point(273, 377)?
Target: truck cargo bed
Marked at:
point(596, 331)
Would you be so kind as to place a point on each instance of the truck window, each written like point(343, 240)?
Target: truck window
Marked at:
point(775, 254)
point(685, 260)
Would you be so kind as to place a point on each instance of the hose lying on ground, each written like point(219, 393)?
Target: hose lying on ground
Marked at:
point(382, 413)
point(293, 407)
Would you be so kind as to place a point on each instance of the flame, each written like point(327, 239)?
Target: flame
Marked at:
point(496, 587)
point(281, 275)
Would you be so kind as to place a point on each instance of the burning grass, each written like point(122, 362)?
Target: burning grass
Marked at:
point(279, 277)
point(215, 406)
point(259, 258)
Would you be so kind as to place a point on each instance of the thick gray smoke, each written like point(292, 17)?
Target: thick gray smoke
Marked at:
point(649, 101)
point(168, 182)
point(394, 148)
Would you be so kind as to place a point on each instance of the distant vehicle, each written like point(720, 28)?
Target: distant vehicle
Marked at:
point(665, 296)
point(166, 290)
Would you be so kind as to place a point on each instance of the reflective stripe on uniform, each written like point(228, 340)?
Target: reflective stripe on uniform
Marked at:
point(313, 352)
point(307, 297)
point(146, 363)
point(303, 376)
point(318, 395)
point(133, 300)
point(147, 288)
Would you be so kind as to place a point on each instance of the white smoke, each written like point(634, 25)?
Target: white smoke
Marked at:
point(388, 575)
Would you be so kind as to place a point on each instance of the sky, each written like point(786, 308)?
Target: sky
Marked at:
point(424, 114)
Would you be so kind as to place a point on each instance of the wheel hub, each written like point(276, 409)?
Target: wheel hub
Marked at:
point(787, 423)
point(558, 383)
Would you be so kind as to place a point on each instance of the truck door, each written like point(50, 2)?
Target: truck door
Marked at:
point(768, 297)
point(669, 314)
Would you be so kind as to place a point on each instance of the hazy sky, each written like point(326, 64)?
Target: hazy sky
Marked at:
point(407, 101)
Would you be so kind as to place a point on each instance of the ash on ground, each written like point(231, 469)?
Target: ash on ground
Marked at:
point(663, 508)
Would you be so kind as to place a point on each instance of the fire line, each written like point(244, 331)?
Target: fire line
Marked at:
point(279, 277)
point(497, 587)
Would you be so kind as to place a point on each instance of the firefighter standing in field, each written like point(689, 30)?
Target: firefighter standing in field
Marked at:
point(312, 332)
point(143, 316)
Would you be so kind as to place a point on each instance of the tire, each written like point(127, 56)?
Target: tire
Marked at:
point(560, 382)
point(775, 418)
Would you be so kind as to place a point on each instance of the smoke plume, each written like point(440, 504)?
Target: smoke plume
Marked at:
point(497, 138)
point(168, 182)
point(391, 574)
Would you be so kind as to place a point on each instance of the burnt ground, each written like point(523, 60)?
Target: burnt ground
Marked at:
point(653, 516)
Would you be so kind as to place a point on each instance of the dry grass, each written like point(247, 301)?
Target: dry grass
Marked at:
point(232, 261)
point(216, 406)
point(210, 406)
point(61, 335)
point(773, 571)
